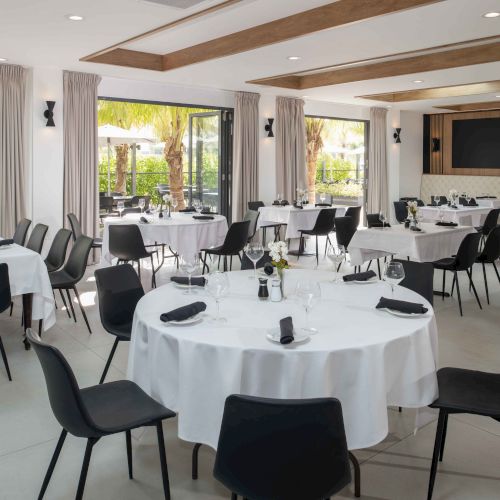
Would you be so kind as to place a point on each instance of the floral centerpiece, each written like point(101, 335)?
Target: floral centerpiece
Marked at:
point(412, 207)
point(279, 256)
point(167, 198)
point(453, 197)
point(301, 196)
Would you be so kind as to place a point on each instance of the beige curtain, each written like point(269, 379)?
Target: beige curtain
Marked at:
point(80, 149)
point(245, 152)
point(13, 175)
point(377, 163)
point(291, 171)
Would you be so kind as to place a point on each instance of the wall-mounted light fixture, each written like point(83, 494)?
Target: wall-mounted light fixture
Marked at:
point(436, 144)
point(49, 113)
point(397, 135)
point(269, 127)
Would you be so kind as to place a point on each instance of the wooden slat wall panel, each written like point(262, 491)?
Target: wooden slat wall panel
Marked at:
point(437, 132)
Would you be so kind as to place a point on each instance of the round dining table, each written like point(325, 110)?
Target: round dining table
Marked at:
point(367, 358)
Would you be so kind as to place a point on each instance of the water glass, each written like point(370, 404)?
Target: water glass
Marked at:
point(309, 294)
point(382, 218)
point(394, 274)
point(142, 204)
point(322, 197)
point(337, 256)
point(279, 198)
point(217, 285)
point(120, 207)
point(189, 264)
point(255, 252)
point(175, 203)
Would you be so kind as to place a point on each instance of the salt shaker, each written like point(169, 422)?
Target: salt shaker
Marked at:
point(276, 291)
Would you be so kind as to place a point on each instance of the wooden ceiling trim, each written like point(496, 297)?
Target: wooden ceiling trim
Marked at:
point(472, 106)
point(131, 59)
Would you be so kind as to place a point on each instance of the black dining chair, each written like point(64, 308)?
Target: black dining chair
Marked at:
point(462, 391)
point(119, 290)
point(373, 220)
point(234, 243)
point(463, 261)
point(401, 211)
point(131, 210)
point(489, 254)
point(37, 237)
point(21, 231)
point(76, 228)
point(134, 201)
point(345, 228)
point(282, 449)
point(95, 412)
point(5, 303)
point(419, 277)
point(251, 216)
point(490, 223)
point(441, 200)
point(57, 251)
point(105, 205)
point(355, 213)
point(324, 225)
point(255, 205)
point(70, 275)
point(126, 243)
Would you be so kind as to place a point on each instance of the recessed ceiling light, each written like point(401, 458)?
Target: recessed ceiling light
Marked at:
point(305, 96)
point(497, 96)
point(73, 17)
point(294, 58)
point(2, 59)
point(490, 15)
point(388, 107)
point(418, 81)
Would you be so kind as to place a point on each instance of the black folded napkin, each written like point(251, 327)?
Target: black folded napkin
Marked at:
point(6, 242)
point(298, 206)
point(359, 276)
point(472, 203)
point(203, 217)
point(284, 203)
point(447, 224)
point(486, 197)
point(268, 268)
point(144, 220)
point(416, 229)
point(276, 203)
point(187, 210)
point(185, 312)
point(148, 211)
point(379, 224)
point(184, 280)
point(286, 328)
point(401, 306)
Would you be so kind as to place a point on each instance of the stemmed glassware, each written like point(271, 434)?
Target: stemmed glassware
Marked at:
point(337, 256)
point(437, 198)
point(254, 252)
point(198, 206)
point(394, 274)
point(120, 206)
point(382, 218)
point(468, 197)
point(217, 285)
point(141, 204)
point(322, 197)
point(309, 294)
point(189, 264)
point(279, 198)
point(175, 203)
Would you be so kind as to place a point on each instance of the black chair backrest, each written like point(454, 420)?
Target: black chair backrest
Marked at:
point(491, 221)
point(345, 228)
point(21, 231)
point(131, 210)
point(325, 223)
point(106, 203)
point(247, 264)
point(251, 216)
point(420, 203)
point(103, 193)
point(419, 277)
point(134, 201)
point(443, 200)
point(77, 260)
point(64, 393)
point(57, 252)
point(468, 251)
point(126, 242)
point(491, 249)
point(119, 290)
point(462, 201)
point(282, 449)
point(236, 238)
point(355, 213)
point(37, 237)
point(373, 220)
point(255, 205)
point(5, 297)
point(401, 211)
point(408, 198)
point(76, 228)
point(322, 204)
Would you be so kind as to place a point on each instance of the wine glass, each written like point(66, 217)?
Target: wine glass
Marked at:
point(175, 203)
point(382, 218)
point(120, 207)
point(141, 204)
point(337, 256)
point(394, 274)
point(440, 214)
point(279, 198)
point(217, 285)
point(198, 206)
point(254, 252)
point(309, 294)
point(468, 197)
point(437, 199)
point(322, 197)
point(189, 264)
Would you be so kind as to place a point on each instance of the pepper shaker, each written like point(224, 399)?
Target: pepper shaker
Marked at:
point(263, 291)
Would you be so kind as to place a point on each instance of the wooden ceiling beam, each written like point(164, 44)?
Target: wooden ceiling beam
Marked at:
point(131, 59)
point(472, 106)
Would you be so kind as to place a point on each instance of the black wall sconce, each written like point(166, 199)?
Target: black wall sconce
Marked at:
point(49, 113)
point(269, 127)
point(397, 136)
point(436, 144)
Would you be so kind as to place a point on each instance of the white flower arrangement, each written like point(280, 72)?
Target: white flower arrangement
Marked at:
point(167, 198)
point(453, 194)
point(279, 254)
point(412, 208)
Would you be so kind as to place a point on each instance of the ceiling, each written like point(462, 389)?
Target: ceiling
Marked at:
point(35, 36)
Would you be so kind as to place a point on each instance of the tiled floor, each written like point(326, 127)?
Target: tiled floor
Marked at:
point(397, 468)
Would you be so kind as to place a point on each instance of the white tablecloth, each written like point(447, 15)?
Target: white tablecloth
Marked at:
point(183, 233)
point(465, 216)
point(489, 203)
point(28, 274)
point(367, 358)
point(295, 218)
point(435, 242)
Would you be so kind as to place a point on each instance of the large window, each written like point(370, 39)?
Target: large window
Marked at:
point(336, 159)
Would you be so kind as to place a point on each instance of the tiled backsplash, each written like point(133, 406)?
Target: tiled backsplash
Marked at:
point(475, 185)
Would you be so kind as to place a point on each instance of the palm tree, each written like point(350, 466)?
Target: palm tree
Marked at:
point(314, 129)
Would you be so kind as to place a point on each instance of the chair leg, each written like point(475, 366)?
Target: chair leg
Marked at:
point(444, 282)
point(4, 357)
point(11, 307)
point(110, 358)
point(204, 264)
point(496, 271)
point(128, 440)
point(435, 455)
point(225, 263)
point(231, 263)
point(81, 308)
point(379, 273)
point(71, 304)
point(85, 467)
point(458, 294)
point(52, 464)
point(139, 269)
point(452, 287)
point(194, 461)
point(474, 288)
point(357, 475)
point(153, 278)
point(443, 440)
point(317, 256)
point(486, 284)
point(163, 461)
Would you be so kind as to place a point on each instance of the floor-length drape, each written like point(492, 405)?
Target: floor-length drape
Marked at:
point(245, 152)
point(290, 147)
point(377, 199)
point(13, 175)
point(80, 149)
